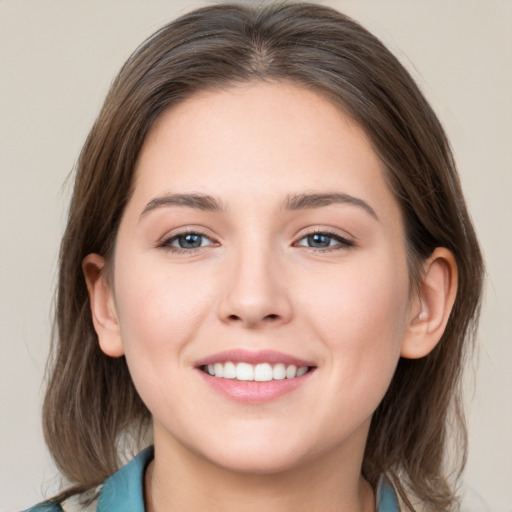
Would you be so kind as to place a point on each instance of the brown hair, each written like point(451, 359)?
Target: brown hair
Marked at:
point(91, 402)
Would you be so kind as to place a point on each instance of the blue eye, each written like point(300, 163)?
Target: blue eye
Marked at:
point(187, 241)
point(323, 240)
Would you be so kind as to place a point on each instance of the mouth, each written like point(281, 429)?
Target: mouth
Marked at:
point(254, 377)
point(261, 372)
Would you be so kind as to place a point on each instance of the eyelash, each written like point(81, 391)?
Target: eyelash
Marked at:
point(342, 243)
point(167, 243)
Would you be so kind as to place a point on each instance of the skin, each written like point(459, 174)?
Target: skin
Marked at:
point(255, 283)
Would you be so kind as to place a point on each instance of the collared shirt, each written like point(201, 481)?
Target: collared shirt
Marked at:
point(124, 492)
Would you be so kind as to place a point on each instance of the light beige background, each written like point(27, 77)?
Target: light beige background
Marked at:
point(57, 59)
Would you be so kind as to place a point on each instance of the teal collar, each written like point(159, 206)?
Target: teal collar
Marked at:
point(386, 497)
point(124, 490)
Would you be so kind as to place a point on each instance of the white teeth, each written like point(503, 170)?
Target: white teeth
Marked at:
point(301, 371)
point(218, 368)
point(262, 372)
point(229, 371)
point(279, 371)
point(244, 371)
point(291, 371)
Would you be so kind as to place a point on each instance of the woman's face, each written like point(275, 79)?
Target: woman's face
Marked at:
point(261, 240)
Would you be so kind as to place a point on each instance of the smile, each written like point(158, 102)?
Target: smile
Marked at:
point(254, 377)
point(262, 372)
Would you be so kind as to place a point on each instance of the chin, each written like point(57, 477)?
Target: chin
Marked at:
point(258, 462)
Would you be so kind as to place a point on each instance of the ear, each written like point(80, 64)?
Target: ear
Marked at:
point(103, 308)
point(431, 307)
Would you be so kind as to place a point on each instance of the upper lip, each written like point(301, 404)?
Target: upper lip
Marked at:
point(253, 357)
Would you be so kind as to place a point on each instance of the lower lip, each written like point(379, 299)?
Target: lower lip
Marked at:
point(253, 392)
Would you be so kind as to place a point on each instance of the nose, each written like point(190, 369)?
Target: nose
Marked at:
point(256, 293)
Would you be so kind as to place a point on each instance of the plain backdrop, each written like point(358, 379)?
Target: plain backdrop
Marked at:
point(57, 59)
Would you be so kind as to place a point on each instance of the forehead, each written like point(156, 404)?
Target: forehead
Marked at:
point(258, 140)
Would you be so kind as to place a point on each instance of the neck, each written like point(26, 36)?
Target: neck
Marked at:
point(178, 480)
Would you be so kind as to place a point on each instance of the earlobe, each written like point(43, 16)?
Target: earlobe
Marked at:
point(431, 308)
point(103, 310)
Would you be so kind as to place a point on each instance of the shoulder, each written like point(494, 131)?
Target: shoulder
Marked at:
point(45, 507)
point(85, 502)
point(121, 492)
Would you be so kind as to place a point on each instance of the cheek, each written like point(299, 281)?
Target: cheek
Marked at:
point(160, 311)
point(363, 298)
point(160, 314)
point(359, 313)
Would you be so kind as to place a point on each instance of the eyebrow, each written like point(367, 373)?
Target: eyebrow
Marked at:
point(293, 202)
point(317, 200)
point(198, 201)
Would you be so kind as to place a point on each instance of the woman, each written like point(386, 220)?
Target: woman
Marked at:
point(281, 277)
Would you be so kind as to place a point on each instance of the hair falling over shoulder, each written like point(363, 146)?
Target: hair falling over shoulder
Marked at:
point(91, 407)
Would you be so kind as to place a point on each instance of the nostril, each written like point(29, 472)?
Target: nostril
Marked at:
point(271, 317)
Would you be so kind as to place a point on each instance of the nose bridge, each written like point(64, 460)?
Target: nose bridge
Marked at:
point(255, 292)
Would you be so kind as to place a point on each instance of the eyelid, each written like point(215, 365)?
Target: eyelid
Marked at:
point(166, 241)
point(345, 242)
